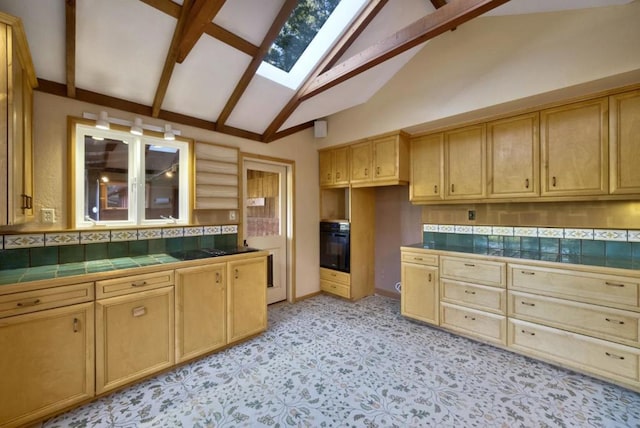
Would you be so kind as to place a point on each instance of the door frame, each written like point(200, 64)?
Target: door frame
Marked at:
point(291, 240)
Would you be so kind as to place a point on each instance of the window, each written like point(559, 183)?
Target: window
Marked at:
point(310, 31)
point(121, 179)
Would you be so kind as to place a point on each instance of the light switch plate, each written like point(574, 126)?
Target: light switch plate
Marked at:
point(48, 215)
point(232, 215)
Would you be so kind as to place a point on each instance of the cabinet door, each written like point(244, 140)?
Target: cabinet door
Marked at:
point(134, 337)
point(513, 157)
point(624, 140)
point(425, 183)
point(361, 161)
point(341, 166)
point(246, 298)
point(419, 298)
point(326, 167)
point(465, 163)
point(574, 142)
point(201, 310)
point(385, 158)
point(46, 363)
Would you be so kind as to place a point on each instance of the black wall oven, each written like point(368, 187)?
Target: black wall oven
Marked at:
point(334, 245)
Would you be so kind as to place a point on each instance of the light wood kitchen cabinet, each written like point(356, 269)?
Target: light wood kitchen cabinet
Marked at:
point(465, 163)
point(17, 80)
point(513, 157)
point(574, 149)
point(47, 362)
point(335, 282)
point(419, 297)
point(624, 143)
point(134, 336)
point(201, 310)
point(380, 161)
point(334, 167)
point(426, 169)
point(246, 298)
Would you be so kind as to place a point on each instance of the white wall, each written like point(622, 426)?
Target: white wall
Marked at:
point(50, 165)
point(498, 59)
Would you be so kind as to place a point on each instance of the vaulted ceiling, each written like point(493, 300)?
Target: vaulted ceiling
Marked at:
point(194, 62)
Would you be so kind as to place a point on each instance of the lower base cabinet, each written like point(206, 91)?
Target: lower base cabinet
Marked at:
point(601, 357)
point(335, 282)
point(419, 298)
point(134, 337)
point(246, 298)
point(46, 362)
point(201, 310)
point(475, 323)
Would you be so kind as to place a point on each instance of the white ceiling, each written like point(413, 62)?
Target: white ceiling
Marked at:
point(121, 47)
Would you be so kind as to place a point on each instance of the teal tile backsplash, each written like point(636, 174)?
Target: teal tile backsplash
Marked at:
point(65, 248)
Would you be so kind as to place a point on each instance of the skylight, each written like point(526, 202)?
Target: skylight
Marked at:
point(311, 30)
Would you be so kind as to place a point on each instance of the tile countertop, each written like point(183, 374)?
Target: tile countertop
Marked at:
point(13, 276)
point(620, 263)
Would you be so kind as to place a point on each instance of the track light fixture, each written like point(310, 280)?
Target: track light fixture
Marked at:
point(168, 133)
point(103, 120)
point(136, 128)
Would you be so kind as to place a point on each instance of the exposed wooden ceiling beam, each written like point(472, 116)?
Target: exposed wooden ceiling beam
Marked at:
point(59, 89)
point(170, 61)
point(451, 15)
point(242, 85)
point(214, 30)
point(70, 25)
point(356, 28)
point(202, 13)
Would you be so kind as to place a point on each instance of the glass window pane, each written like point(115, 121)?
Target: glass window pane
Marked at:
point(263, 203)
point(162, 182)
point(106, 178)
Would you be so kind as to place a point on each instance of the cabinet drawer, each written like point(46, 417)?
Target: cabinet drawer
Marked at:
point(335, 276)
point(133, 284)
point(491, 299)
point(335, 288)
point(31, 301)
point(486, 326)
point(584, 353)
point(606, 323)
point(420, 258)
point(587, 287)
point(477, 271)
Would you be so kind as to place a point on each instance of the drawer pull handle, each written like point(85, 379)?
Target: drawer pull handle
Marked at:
point(333, 274)
point(76, 325)
point(526, 272)
point(469, 292)
point(617, 357)
point(526, 183)
point(468, 317)
point(528, 304)
point(139, 311)
point(366, 172)
point(469, 265)
point(217, 277)
point(337, 175)
point(530, 333)
point(237, 273)
point(25, 304)
point(554, 181)
point(418, 258)
point(614, 321)
point(139, 284)
point(453, 188)
point(614, 284)
point(377, 170)
point(435, 189)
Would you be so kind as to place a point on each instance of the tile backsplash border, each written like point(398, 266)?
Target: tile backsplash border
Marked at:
point(90, 236)
point(619, 235)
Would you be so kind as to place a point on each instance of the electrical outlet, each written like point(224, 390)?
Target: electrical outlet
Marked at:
point(48, 215)
point(232, 215)
point(472, 214)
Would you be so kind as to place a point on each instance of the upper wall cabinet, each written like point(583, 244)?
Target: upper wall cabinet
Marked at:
point(624, 143)
point(17, 80)
point(216, 177)
point(464, 160)
point(426, 171)
point(334, 167)
point(380, 161)
point(513, 157)
point(574, 142)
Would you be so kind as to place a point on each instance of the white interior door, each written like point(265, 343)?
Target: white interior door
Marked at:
point(265, 219)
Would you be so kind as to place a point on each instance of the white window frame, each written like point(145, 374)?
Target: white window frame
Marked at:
point(136, 179)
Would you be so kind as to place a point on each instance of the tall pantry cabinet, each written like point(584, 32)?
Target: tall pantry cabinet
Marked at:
point(17, 80)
